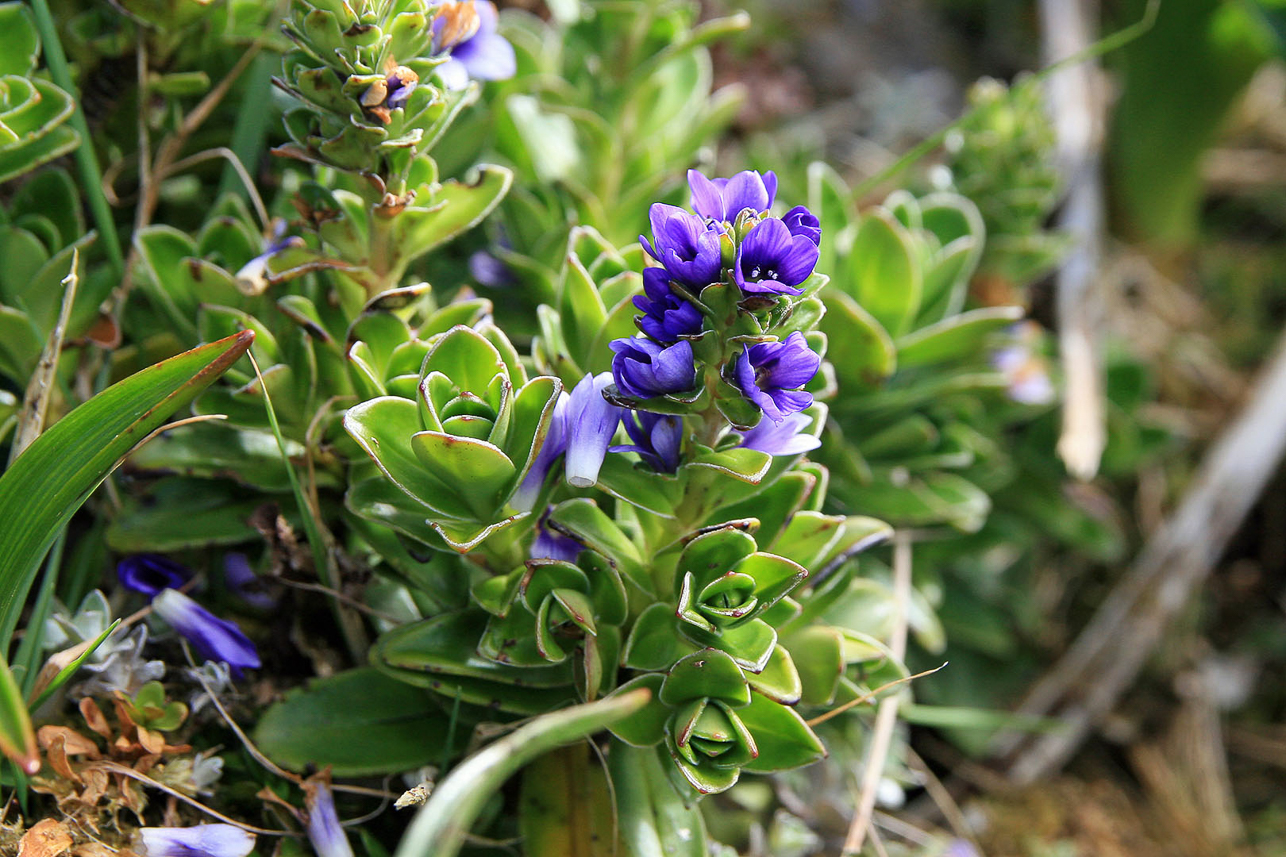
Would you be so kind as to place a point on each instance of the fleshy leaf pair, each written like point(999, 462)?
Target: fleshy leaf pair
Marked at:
point(463, 446)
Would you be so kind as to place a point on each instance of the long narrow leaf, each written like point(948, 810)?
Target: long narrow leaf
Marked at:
point(81, 654)
point(44, 487)
point(443, 822)
point(17, 739)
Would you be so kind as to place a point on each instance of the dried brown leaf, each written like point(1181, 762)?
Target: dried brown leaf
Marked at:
point(48, 838)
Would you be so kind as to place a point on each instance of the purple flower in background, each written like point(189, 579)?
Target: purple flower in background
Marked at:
point(657, 439)
point(488, 270)
point(800, 221)
point(467, 32)
point(772, 260)
point(324, 830)
point(724, 199)
point(551, 544)
point(781, 437)
point(769, 374)
point(644, 369)
point(666, 316)
point(149, 573)
point(590, 423)
point(214, 639)
point(244, 583)
point(686, 245)
point(204, 840)
point(555, 445)
point(252, 278)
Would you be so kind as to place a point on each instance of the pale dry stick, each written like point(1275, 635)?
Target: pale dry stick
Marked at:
point(878, 842)
point(151, 171)
point(886, 716)
point(869, 695)
point(115, 768)
point(261, 211)
point(1078, 118)
point(1111, 650)
point(942, 798)
point(35, 402)
point(257, 754)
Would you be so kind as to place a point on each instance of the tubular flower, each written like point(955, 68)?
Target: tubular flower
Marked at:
point(466, 31)
point(551, 544)
point(590, 423)
point(644, 369)
point(666, 316)
point(214, 639)
point(773, 260)
point(252, 278)
point(324, 830)
point(723, 199)
point(242, 581)
point(770, 373)
point(555, 445)
point(686, 245)
point(149, 573)
point(657, 439)
point(204, 840)
point(781, 437)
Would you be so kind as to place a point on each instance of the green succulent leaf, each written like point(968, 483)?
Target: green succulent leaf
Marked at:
point(645, 727)
point(783, 738)
point(707, 674)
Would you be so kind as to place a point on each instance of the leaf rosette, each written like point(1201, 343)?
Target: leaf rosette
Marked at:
point(725, 584)
point(461, 448)
point(714, 724)
point(552, 610)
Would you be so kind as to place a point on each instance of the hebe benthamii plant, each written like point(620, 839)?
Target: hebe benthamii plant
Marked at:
point(688, 570)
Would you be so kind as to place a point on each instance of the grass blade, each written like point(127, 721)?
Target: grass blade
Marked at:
point(45, 485)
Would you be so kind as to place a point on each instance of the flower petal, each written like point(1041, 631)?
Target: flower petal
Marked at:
point(203, 840)
point(214, 639)
point(591, 421)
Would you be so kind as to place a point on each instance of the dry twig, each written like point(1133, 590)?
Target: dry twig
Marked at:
point(1111, 650)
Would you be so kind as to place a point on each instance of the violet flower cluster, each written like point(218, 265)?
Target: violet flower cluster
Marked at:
point(729, 237)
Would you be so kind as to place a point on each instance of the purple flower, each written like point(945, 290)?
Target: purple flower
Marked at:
point(551, 544)
point(244, 583)
point(214, 639)
point(324, 830)
point(800, 221)
point(772, 260)
point(252, 278)
point(657, 439)
point(769, 374)
point(724, 199)
point(590, 423)
point(685, 244)
point(467, 32)
point(666, 316)
point(555, 445)
point(204, 840)
point(400, 83)
point(488, 270)
point(644, 369)
point(781, 437)
point(149, 573)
